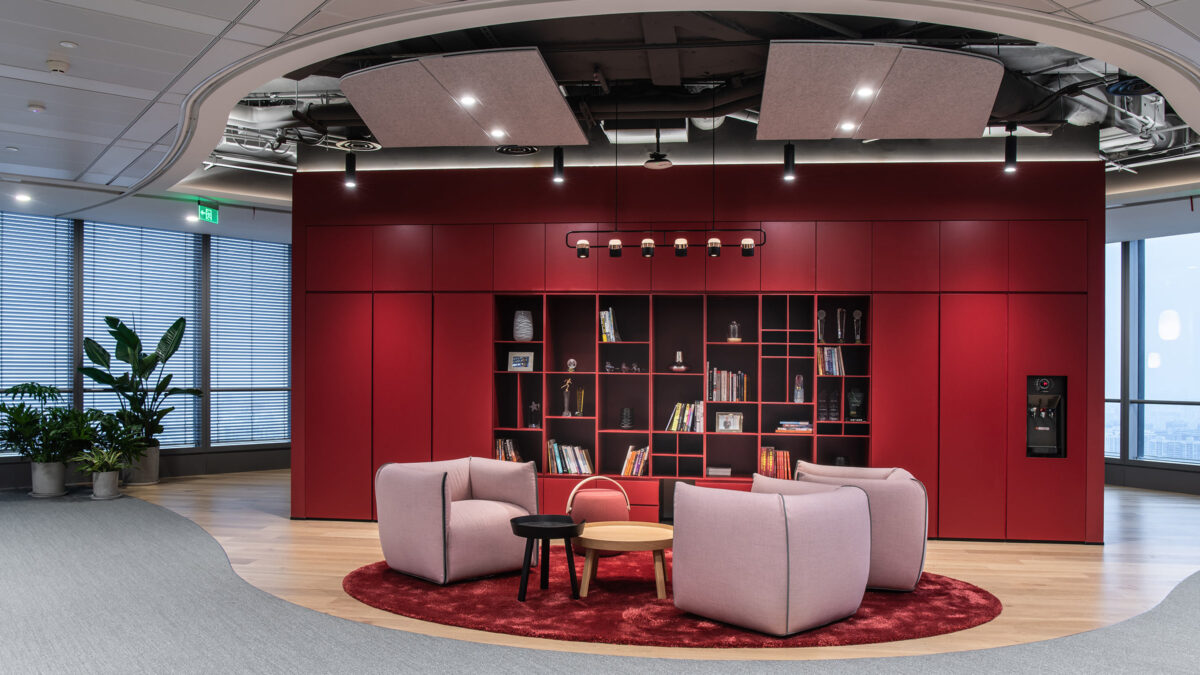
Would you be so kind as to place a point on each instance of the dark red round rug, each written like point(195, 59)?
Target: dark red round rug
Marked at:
point(621, 608)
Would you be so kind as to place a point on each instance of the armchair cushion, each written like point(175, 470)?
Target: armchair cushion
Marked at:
point(808, 468)
point(413, 506)
point(512, 482)
point(481, 541)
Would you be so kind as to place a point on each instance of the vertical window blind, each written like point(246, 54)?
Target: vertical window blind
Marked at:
point(147, 278)
point(250, 296)
point(35, 301)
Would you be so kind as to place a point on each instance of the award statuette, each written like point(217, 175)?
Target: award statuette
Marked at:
point(858, 325)
point(855, 410)
point(566, 390)
point(534, 418)
point(798, 390)
point(841, 324)
point(572, 364)
point(820, 325)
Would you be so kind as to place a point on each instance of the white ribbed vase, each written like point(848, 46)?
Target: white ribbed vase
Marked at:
point(523, 326)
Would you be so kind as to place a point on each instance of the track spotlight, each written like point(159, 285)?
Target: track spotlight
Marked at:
point(789, 162)
point(1010, 148)
point(351, 170)
point(614, 248)
point(681, 247)
point(714, 247)
point(581, 248)
point(647, 248)
point(747, 247)
point(559, 174)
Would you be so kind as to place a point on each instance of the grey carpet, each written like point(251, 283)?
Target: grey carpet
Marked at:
point(129, 587)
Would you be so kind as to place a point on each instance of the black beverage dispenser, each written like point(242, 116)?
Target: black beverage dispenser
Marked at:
point(1046, 416)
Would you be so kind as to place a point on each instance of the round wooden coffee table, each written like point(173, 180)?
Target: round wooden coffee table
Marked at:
point(626, 536)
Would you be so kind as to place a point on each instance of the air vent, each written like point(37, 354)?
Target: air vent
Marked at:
point(517, 150)
point(358, 145)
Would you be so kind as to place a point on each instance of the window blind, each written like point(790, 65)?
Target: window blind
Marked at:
point(147, 278)
point(250, 339)
point(35, 301)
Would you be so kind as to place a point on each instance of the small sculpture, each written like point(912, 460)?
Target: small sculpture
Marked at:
point(858, 325)
point(735, 332)
point(534, 419)
point(609, 367)
point(624, 367)
point(566, 390)
point(679, 366)
point(820, 325)
point(626, 418)
point(572, 364)
point(635, 367)
point(841, 324)
point(798, 390)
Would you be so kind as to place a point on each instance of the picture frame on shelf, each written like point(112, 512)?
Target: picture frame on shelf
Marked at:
point(729, 422)
point(520, 362)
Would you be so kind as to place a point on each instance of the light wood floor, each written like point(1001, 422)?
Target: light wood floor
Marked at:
point(1048, 590)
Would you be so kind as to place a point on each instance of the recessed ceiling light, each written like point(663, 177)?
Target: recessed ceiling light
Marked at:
point(67, 44)
point(865, 92)
point(192, 218)
point(468, 101)
point(22, 197)
point(497, 133)
point(848, 126)
point(12, 148)
point(36, 108)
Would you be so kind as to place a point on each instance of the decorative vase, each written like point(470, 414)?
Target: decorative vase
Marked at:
point(49, 479)
point(679, 366)
point(626, 418)
point(104, 485)
point(145, 470)
point(735, 332)
point(523, 325)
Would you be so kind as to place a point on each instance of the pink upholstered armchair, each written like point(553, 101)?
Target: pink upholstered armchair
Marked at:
point(447, 521)
point(773, 563)
point(899, 516)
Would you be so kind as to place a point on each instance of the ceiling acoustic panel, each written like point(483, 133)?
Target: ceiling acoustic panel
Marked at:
point(823, 90)
point(511, 98)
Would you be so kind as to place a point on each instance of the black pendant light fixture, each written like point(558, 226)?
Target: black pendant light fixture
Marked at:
point(559, 171)
point(351, 179)
point(789, 162)
point(1010, 148)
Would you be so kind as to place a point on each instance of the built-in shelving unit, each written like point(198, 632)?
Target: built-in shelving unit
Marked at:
point(781, 337)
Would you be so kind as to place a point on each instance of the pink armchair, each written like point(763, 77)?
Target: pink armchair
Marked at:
point(899, 516)
point(773, 563)
point(447, 521)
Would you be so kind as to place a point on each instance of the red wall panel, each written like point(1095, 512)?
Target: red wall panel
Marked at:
point(789, 258)
point(403, 353)
point(905, 255)
point(974, 429)
point(520, 257)
point(403, 257)
point(462, 258)
point(843, 256)
point(670, 272)
point(974, 255)
point(1047, 255)
point(903, 406)
point(337, 423)
point(564, 270)
point(340, 258)
point(462, 375)
point(731, 271)
point(628, 272)
point(1047, 335)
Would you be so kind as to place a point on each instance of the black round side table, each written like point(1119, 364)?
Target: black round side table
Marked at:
point(545, 528)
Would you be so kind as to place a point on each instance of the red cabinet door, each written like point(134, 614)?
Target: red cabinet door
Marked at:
point(670, 272)
point(402, 377)
point(628, 271)
point(403, 257)
point(903, 407)
point(788, 261)
point(565, 271)
point(337, 410)
point(1047, 335)
point(462, 258)
point(462, 375)
point(732, 271)
point(905, 256)
point(974, 255)
point(1047, 255)
point(520, 257)
point(973, 426)
point(843, 256)
point(339, 258)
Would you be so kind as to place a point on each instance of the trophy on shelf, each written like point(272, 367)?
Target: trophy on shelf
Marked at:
point(798, 390)
point(854, 405)
point(566, 390)
point(820, 325)
point(572, 364)
point(841, 324)
point(858, 325)
point(735, 332)
point(580, 394)
point(822, 407)
point(533, 419)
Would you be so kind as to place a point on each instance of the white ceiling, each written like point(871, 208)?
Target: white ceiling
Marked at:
point(112, 120)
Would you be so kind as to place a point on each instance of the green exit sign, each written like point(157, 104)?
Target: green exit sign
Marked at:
point(208, 214)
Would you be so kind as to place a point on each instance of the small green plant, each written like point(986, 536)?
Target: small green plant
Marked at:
point(37, 431)
point(114, 446)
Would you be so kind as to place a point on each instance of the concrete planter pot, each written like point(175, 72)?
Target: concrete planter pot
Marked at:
point(49, 479)
point(145, 470)
point(104, 485)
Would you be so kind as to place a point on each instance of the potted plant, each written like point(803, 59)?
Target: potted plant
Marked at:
point(35, 432)
point(143, 390)
point(114, 444)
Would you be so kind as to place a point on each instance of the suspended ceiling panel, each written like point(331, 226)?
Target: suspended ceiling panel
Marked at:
point(812, 89)
point(418, 102)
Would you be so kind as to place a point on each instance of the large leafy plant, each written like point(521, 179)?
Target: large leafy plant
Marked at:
point(114, 444)
point(145, 387)
point(30, 422)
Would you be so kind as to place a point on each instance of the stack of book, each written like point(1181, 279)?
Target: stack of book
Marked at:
point(724, 385)
point(687, 417)
point(506, 451)
point(829, 361)
point(775, 463)
point(570, 459)
point(608, 326)
point(794, 427)
point(636, 460)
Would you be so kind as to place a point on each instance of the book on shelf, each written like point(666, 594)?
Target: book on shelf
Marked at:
point(506, 451)
point(608, 326)
point(725, 385)
point(775, 463)
point(793, 427)
point(568, 459)
point(636, 460)
point(686, 417)
point(829, 361)
point(718, 471)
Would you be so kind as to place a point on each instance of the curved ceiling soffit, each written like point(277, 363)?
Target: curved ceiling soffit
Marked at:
point(204, 111)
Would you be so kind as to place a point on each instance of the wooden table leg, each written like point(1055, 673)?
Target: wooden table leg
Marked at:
point(525, 569)
point(660, 574)
point(571, 569)
point(589, 571)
